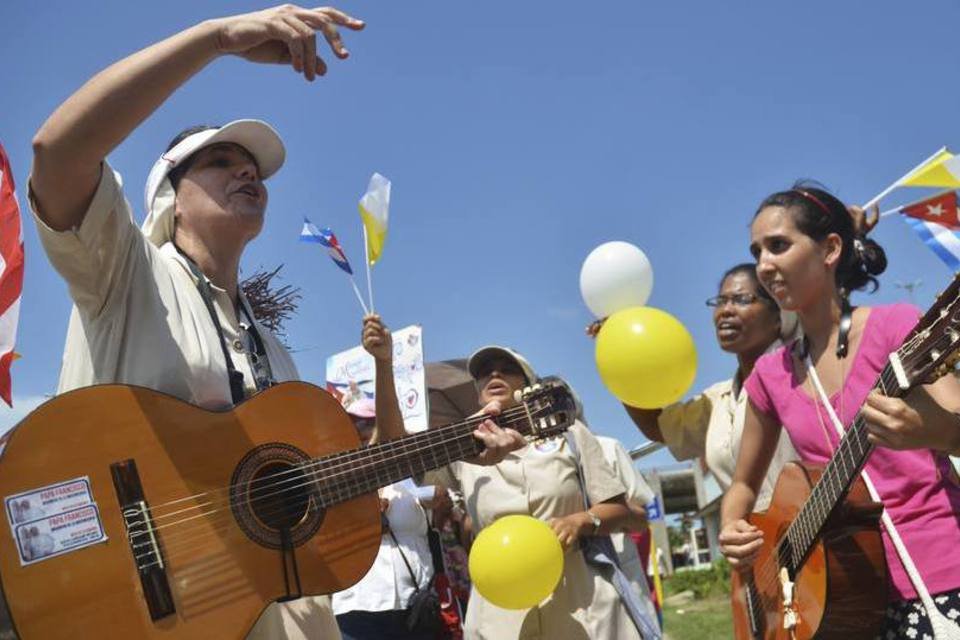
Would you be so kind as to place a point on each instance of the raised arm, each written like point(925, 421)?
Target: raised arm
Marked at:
point(378, 342)
point(72, 143)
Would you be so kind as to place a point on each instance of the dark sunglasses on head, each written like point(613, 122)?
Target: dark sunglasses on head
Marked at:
point(505, 367)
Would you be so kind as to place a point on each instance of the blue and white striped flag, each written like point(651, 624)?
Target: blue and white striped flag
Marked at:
point(942, 240)
point(325, 237)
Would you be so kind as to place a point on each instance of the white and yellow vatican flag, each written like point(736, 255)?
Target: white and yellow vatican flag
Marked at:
point(374, 211)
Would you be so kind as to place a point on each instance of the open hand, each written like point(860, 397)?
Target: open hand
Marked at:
point(285, 35)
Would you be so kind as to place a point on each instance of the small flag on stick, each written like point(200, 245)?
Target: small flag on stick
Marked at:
point(325, 237)
point(374, 212)
point(917, 176)
point(935, 220)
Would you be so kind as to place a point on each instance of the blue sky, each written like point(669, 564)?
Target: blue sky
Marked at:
point(518, 137)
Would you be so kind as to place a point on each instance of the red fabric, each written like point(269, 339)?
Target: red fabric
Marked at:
point(449, 609)
point(643, 542)
point(941, 209)
point(11, 277)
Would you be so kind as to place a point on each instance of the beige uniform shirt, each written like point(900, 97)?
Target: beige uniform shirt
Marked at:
point(138, 319)
point(541, 481)
point(710, 426)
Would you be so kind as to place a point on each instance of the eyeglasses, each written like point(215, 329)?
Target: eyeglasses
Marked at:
point(739, 300)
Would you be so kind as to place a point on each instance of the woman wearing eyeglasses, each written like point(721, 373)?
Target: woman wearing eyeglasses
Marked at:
point(708, 426)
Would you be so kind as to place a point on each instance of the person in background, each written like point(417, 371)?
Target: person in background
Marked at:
point(542, 480)
point(376, 608)
point(748, 323)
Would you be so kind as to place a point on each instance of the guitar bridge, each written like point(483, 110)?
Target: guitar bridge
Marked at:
point(141, 535)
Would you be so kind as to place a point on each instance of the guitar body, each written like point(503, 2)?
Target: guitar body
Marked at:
point(220, 574)
point(840, 590)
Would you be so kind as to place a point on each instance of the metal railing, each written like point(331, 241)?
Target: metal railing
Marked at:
point(645, 449)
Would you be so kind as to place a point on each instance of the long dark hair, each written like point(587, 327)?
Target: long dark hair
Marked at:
point(817, 213)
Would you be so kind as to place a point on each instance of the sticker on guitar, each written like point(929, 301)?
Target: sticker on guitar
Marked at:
point(53, 536)
point(54, 519)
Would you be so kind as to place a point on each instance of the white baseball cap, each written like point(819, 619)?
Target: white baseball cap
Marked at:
point(256, 136)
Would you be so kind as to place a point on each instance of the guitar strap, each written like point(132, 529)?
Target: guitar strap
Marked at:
point(259, 363)
point(600, 552)
point(943, 629)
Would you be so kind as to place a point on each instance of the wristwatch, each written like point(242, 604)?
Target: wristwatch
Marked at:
point(595, 519)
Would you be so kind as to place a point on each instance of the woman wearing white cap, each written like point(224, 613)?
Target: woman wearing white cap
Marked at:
point(161, 308)
point(543, 481)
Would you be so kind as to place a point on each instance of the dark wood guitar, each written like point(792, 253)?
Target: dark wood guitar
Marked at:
point(131, 514)
point(821, 572)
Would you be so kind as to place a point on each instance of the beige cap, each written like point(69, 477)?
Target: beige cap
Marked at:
point(256, 136)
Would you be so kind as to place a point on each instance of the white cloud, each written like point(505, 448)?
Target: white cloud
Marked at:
point(22, 405)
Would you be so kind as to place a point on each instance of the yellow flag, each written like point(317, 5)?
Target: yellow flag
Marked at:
point(374, 211)
point(657, 584)
point(942, 171)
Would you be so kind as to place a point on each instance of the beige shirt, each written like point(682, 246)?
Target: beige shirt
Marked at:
point(541, 481)
point(139, 319)
point(710, 426)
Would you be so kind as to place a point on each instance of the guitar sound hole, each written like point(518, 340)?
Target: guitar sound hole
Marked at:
point(279, 496)
point(270, 492)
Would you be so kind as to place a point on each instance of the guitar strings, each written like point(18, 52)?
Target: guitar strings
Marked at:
point(337, 460)
point(387, 450)
point(404, 449)
point(377, 458)
point(767, 572)
point(226, 522)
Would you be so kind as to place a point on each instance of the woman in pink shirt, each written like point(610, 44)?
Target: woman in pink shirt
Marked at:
point(810, 255)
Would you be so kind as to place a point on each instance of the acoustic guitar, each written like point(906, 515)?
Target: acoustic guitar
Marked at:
point(131, 514)
point(821, 572)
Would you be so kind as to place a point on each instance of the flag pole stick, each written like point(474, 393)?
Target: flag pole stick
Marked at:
point(366, 255)
point(890, 212)
point(356, 290)
point(896, 183)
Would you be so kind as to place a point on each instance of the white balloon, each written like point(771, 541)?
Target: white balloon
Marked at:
point(615, 275)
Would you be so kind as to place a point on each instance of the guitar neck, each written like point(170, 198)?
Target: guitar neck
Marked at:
point(350, 474)
point(837, 478)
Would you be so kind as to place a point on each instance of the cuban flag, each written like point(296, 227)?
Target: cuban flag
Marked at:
point(937, 223)
point(325, 237)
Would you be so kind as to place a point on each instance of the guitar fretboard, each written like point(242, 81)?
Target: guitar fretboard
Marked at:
point(346, 475)
point(838, 476)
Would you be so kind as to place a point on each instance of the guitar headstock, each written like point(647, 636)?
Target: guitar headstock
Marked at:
point(551, 407)
point(933, 349)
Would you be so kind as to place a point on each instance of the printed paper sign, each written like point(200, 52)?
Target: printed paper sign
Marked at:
point(48, 501)
point(58, 534)
point(351, 378)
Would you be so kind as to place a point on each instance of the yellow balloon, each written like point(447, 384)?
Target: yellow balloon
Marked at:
point(646, 357)
point(516, 562)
